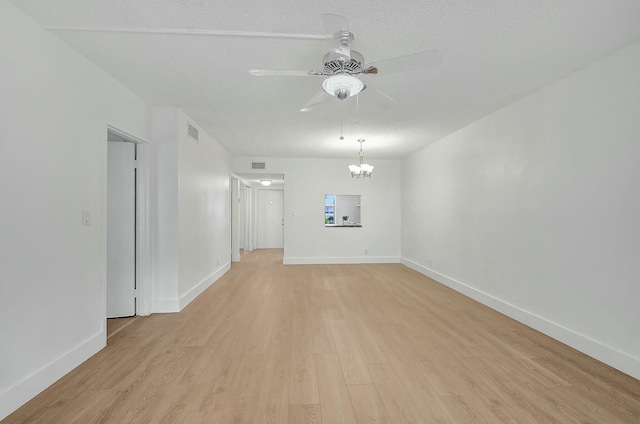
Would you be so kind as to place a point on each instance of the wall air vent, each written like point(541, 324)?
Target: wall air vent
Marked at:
point(258, 165)
point(192, 131)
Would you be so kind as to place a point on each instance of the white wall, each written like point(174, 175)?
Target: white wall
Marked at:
point(307, 181)
point(163, 198)
point(204, 211)
point(54, 110)
point(190, 223)
point(535, 210)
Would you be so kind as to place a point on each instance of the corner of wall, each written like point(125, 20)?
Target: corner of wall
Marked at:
point(189, 296)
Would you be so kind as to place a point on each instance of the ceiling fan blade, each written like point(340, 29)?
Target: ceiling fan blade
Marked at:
point(384, 98)
point(373, 101)
point(283, 73)
point(420, 60)
point(334, 23)
point(338, 27)
point(370, 70)
point(315, 101)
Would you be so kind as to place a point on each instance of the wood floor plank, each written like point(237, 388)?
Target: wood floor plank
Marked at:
point(303, 388)
point(540, 405)
point(352, 365)
point(616, 402)
point(367, 404)
point(270, 343)
point(322, 337)
point(273, 400)
point(421, 387)
point(334, 397)
point(241, 398)
point(364, 339)
point(585, 409)
point(305, 414)
point(395, 398)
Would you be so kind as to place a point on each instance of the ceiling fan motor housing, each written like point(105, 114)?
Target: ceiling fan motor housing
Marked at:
point(336, 62)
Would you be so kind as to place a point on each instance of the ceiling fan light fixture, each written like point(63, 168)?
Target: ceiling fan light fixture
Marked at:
point(342, 86)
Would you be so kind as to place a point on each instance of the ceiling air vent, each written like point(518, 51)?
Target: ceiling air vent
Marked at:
point(258, 165)
point(192, 131)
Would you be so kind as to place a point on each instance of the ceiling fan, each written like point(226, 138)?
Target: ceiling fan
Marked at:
point(343, 66)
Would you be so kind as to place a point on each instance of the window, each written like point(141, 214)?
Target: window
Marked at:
point(329, 209)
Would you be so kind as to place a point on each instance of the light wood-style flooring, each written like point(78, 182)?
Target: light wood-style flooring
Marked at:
point(115, 325)
point(332, 344)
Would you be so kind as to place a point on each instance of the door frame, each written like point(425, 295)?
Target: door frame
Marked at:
point(123, 153)
point(143, 243)
point(234, 199)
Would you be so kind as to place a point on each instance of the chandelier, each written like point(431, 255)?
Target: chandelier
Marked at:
point(363, 170)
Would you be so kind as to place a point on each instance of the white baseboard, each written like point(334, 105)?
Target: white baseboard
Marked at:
point(610, 356)
point(164, 306)
point(188, 297)
point(342, 260)
point(19, 394)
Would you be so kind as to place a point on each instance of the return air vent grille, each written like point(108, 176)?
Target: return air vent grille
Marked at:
point(192, 131)
point(258, 165)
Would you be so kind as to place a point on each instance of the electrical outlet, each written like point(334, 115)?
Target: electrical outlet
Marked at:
point(366, 251)
point(430, 263)
point(86, 218)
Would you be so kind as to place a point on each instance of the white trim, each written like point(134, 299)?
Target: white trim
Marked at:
point(189, 296)
point(143, 241)
point(163, 306)
point(126, 135)
point(143, 235)
point(19, 394)
point(607, 354)
point(342, 260)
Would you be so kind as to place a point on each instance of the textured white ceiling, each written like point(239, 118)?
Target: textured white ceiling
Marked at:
point(494, 52)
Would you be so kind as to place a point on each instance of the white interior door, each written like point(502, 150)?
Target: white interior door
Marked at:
point(270, 219)
point(121, 230)
point(241, 219)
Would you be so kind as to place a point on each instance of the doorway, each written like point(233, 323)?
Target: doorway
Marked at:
point(234, 192)
point(270, 220)
point(121, 227)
